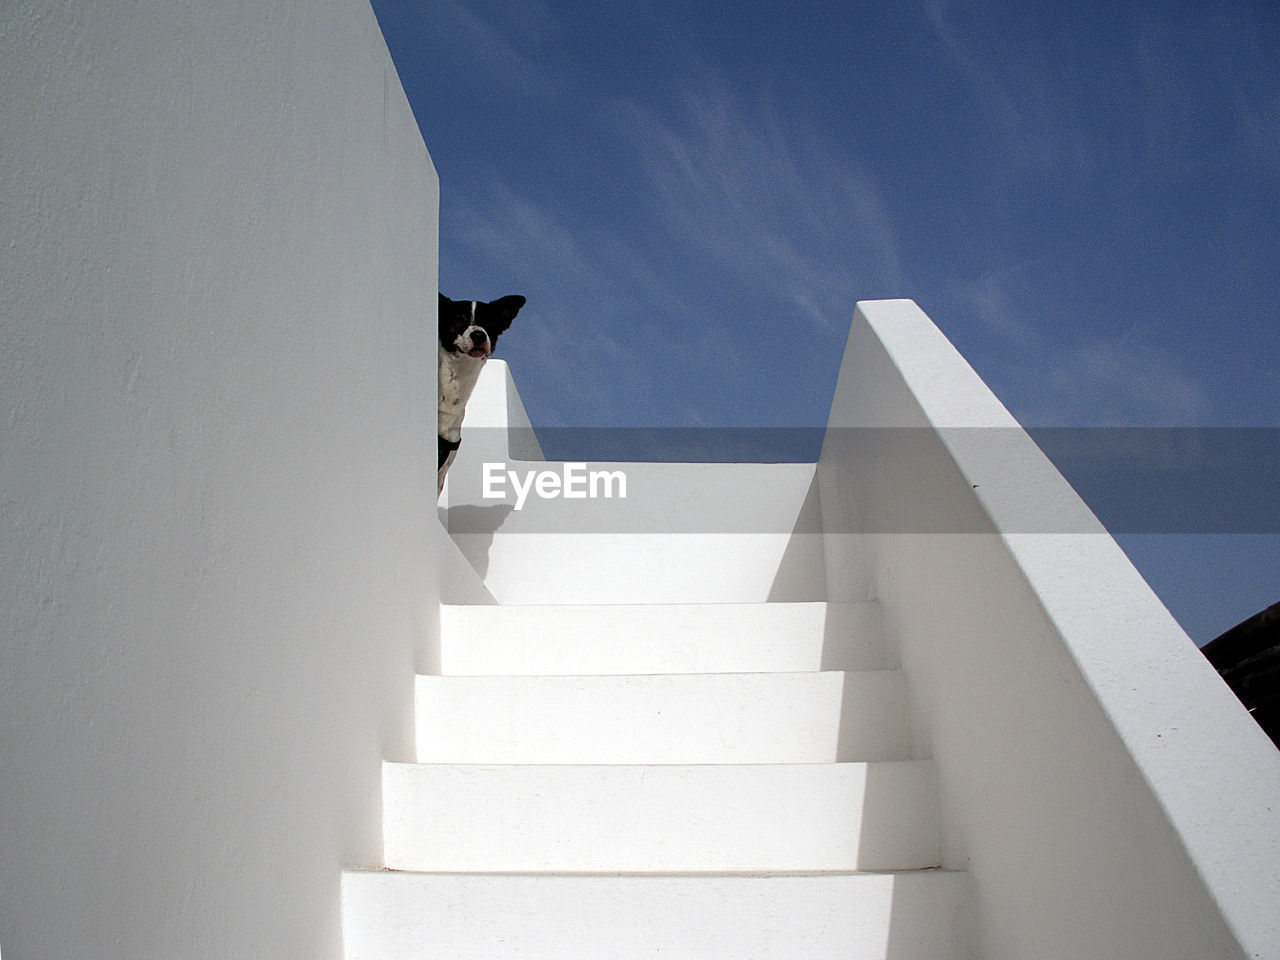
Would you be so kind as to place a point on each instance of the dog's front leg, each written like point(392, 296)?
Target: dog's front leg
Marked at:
point(446, 453)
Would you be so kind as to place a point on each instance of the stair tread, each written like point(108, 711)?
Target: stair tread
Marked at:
point(657, 874)
point(690, 676)
point(820, 768)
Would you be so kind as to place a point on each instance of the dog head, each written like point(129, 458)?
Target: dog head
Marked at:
point(471, 328)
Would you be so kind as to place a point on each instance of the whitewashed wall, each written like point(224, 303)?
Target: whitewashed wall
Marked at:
point(217, 528)
point(1106, 790)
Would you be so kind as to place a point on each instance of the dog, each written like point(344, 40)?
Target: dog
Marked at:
point(469, 331)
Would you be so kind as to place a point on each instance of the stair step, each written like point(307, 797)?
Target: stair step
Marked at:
point(661, 638)
point(414, 916)
point(661, 719)
point(528, 561)
point(673, 818)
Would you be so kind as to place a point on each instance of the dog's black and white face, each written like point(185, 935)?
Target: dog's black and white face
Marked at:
point(469, 331)
point(471, 328)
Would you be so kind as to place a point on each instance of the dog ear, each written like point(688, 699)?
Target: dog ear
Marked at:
point(505, 310)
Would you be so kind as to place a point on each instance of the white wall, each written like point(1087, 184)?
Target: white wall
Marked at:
point(217, 535)
point(1108, 793)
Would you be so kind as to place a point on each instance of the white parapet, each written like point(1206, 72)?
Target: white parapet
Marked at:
point(1106, 790)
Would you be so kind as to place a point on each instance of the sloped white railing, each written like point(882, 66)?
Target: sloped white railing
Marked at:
point(1106, 790)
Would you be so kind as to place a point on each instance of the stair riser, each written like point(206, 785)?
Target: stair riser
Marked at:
point(700, 718)
point(662, 638)
point(639, 566)
point(662, 818)
point(391, 916)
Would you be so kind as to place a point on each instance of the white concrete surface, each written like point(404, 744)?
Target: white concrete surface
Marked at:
point(683, 718)
point(1107, 792)
point(660, 638)
point(684, 533)
point(626, 568)
point(903, 916)
point(216, 537)
point(496, 424)
point(635, 704)
point(661, 818)
point(460, 584)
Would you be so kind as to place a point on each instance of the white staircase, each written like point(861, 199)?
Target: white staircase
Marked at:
point(671, 780)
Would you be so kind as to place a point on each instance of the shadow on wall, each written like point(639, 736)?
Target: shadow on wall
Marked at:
point(932, 914)
point(801, 564)
point(853, 638)
point(931, 911)
point(475, 529)
point(873, 717)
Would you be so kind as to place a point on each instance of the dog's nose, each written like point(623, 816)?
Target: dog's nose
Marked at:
point(478, 337)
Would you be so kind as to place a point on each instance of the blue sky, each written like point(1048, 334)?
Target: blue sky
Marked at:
point(1084, 197)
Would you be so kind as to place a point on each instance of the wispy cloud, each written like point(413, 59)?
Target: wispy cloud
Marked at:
point(768, 200)
point(549, 247)
point(1061, 374)
point(995, 300)
point(587, 291)
point(724, 189)
point(1129, 381)
point(735, 204)
point(1016, 110)
point(976, 69)
point(1103, 142)
point(501, 40)
point(1146, 106)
